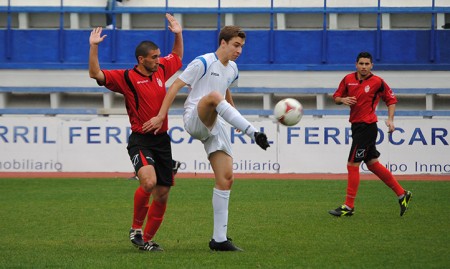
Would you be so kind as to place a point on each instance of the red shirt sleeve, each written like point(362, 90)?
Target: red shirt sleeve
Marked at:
point(114, 80)
point(172, 64)
point(341, 90)
point(388, 95)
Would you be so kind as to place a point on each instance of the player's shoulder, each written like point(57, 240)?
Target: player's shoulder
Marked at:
point(115, 71)
point(233, 65)
point(116, 74)
point(376, 78)
point(351, 75)
point(170, 58)
point(203, 62)
point(350, 78)
point(207, 58)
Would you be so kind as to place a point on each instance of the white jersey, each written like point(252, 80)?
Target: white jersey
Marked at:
point(206, 74)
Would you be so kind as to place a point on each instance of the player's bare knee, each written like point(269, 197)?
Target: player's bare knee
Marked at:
point(161, 199)
point(224, 182)
point(214, 98)
point(161, 194)
point(229, 179)
point(230, 183)
point(148, 184)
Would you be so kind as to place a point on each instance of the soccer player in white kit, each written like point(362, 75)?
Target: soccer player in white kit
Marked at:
point(208, 106)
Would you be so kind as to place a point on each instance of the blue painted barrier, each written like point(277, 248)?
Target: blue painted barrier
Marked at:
point(270, 49)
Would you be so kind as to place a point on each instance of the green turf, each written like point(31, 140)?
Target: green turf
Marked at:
point(83, 223)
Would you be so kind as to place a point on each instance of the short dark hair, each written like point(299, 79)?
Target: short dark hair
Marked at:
point(144, 48)
point(230, 31)
point(364, 54)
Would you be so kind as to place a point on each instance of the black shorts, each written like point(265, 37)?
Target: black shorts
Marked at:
point(150, 149)
point(364, 137)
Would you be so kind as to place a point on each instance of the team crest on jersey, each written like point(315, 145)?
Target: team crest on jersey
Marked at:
point(367, 88)
point(160, 84)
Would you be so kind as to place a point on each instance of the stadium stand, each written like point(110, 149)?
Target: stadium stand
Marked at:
point(319, 36)
point(312, 35)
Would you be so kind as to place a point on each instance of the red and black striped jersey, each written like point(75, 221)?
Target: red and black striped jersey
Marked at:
point(144, 99)
point(368, 93)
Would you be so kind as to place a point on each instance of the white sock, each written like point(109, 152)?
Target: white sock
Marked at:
point(220, 207)
point(233, 117)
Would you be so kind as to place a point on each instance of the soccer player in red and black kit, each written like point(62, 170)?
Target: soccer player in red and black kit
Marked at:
point(144, 89)
point(362, 91)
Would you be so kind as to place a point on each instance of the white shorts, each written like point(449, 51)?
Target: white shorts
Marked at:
point(213, 140)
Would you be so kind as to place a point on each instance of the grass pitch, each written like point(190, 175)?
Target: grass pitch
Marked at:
point(84, 223)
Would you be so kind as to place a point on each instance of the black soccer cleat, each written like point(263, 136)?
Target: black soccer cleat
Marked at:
point(342, 211)
point(223, 246)
point(175, 166)
point(404, 202)
point(135, 177)
point(136, 238)
point(151, 246)
point(261, 140)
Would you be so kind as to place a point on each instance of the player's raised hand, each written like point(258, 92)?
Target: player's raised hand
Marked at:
point(174, 26)
point(96, 36)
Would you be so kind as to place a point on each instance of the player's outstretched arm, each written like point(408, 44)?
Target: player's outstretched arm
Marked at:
point(175, 27)
point(390, 121)
point(94, 66)
point(155, 123)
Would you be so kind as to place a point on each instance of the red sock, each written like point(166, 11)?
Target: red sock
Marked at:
point(352, 185)
point(384, 174)
point(141, 198)
point(155, 217)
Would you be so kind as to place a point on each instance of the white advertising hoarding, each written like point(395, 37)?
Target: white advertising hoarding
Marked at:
point(315, 145)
